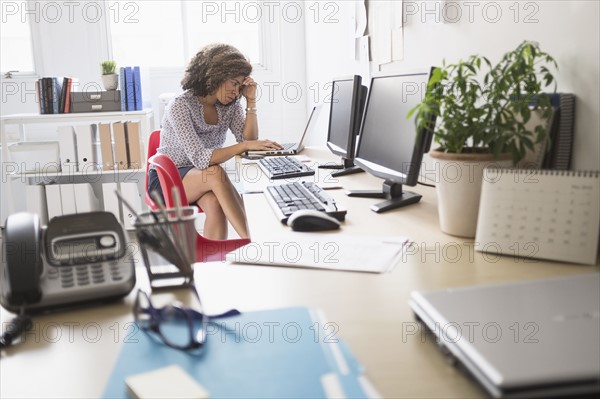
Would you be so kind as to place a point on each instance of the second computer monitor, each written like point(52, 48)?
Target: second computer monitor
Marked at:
point(348, 97)
point(390, 147)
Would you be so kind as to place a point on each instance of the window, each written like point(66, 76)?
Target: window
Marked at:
point(168, 33)
point(16, 52)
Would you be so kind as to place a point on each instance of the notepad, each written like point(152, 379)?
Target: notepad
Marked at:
point(324, 251)
point(166, 382)
point(546, 214)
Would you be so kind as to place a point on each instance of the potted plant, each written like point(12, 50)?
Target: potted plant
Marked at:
point(110, 79)
point(482, 114)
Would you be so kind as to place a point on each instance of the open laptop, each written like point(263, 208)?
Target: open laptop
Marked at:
point(525, 339)
point(293, 148)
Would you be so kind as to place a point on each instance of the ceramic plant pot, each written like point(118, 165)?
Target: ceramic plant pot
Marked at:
point(110, 82)
point(458, 188)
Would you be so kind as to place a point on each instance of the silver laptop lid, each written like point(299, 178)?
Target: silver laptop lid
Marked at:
point(521, 336)
point(297, 147)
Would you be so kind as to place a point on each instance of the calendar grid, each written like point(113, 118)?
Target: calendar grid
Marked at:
point(546, 214)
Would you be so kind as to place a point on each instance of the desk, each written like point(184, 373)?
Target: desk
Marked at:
point(75, 350)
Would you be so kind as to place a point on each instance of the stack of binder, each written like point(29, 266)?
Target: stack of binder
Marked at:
point(281, 353)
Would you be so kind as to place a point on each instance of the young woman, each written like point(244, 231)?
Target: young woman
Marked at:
point(194, 129)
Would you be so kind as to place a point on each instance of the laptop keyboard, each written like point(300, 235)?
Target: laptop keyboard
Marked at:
point(284, 167)
point(285, 199)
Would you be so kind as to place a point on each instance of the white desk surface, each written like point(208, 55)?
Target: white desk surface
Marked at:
point(70, 354)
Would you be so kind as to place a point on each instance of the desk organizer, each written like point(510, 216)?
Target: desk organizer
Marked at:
point(168, 245)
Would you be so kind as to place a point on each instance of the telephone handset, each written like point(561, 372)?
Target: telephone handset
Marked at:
point(77, 258)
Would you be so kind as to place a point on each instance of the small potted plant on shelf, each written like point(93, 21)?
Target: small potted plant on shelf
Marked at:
point(110, 79)
point(483, 117)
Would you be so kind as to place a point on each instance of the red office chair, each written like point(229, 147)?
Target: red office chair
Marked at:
point(153, 143)
point(206, 250)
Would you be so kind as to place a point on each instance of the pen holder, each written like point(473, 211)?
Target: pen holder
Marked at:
point(168, 245)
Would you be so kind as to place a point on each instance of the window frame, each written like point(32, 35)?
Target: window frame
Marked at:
point(268, 42)
point(36, 50)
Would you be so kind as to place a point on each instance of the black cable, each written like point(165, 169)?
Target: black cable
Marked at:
point(14, 329)
point(426, 184)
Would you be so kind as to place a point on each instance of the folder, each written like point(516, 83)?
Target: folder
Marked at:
point(53, 200)
point(67, 149)
point(131, 193)
point(120, 137)
point(36, 202)
point(134, 148)
point(280, 353)
point(86, 152)
point(110, 200)
point(87, 201)
point(67, 197)
point(106, 147)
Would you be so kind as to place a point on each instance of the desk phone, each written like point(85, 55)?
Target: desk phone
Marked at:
point(77, 258)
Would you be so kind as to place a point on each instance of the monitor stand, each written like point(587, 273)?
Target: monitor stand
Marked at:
point(392, 192)
point(346, 168)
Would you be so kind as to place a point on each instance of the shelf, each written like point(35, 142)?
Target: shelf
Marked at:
point(78, 117)
point(94, 177)
point(42, 174)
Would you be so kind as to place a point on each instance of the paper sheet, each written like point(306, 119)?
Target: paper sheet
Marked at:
point(324, 251)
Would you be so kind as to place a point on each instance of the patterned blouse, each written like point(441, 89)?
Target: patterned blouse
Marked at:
point(187, 139)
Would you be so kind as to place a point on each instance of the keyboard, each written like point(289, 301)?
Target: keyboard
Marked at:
point(284, 167)
point(287, 198)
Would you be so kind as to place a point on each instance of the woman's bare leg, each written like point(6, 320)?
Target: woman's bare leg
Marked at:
point(199, 182)
point(215, 225)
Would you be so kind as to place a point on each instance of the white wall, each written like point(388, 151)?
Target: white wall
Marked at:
point(568, 30)
point(74, 45)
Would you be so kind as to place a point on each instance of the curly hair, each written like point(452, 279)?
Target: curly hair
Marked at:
point(212, 66)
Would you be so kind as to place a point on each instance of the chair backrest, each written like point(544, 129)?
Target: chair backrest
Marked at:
point(153, 144)
point(169, 177)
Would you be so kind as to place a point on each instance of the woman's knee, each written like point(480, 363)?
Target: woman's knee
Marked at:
point(215, 174)
point(210, 204)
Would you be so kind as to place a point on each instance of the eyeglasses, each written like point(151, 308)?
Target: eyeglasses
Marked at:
point(175, 325)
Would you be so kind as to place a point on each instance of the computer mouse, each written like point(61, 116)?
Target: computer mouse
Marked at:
point(312, 220)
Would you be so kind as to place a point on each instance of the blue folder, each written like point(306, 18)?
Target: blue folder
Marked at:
point(281, 353)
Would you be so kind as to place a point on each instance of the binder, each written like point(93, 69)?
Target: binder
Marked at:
point(67, 197)
point(129, 89)
point(543, 214)
point(67, 147)
point(110, 200)
point(86, 153)
point(121, 161)
point(280, 353)
point(106, 147)
point(35, 202)
point(123, 86)
point(131, 193)
point(86, 198)
point(53, 200)
point(134, 148)
point(137, 88)
point(562, 132)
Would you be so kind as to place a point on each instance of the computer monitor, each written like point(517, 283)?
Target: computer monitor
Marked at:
point(390, 146)
point(348, 98)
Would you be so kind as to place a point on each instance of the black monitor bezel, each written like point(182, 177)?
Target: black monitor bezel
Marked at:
point(422, 143)
point(349, 152)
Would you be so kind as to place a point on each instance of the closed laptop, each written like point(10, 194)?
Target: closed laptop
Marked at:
point(524, 339)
